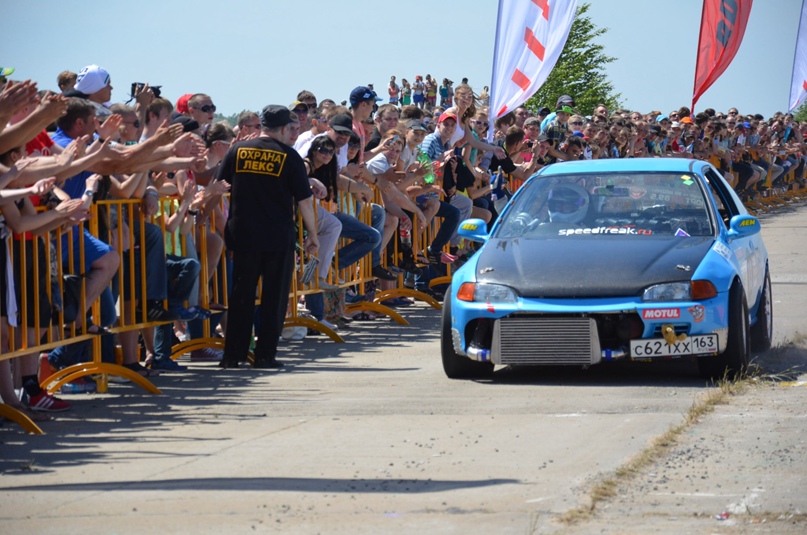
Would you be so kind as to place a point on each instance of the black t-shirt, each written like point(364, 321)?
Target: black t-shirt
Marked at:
point(267, 177)
point(506, 164)
point(374, 141)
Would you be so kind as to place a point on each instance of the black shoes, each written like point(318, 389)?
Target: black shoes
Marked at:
point(380, 272)
point(156, 313)
point(267, 364)
point(261, 364)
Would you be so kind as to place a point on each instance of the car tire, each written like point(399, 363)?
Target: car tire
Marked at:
point(458, 366)
point(733, 362)
point(762, 331)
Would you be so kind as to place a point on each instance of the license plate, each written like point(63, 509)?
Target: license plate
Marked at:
point(658, 347)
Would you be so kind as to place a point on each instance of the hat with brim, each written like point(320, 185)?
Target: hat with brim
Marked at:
point(91, 79)
point(414, 124)
point(188, 124)
point(342, 123)
point(447, 115)
point(277, 116)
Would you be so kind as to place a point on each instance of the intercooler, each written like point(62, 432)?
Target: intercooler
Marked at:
point(536, 340)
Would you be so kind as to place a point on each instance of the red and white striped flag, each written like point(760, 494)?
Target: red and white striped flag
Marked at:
point(798, 82)
point(723, 25)
point(530, 35)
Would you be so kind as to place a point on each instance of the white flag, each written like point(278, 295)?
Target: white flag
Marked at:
point(530, 35)
point(798, 82)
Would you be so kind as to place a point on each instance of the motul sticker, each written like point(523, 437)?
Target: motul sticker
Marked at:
point(661, 313)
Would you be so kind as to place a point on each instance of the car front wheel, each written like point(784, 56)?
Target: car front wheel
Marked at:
point(762, 331)
point(733, 362)
point(458, 366)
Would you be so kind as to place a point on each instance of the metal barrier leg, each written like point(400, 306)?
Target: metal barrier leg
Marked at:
point(20, 418)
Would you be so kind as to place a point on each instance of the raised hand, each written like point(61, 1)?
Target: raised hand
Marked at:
point(111, 127)
point(43, 186)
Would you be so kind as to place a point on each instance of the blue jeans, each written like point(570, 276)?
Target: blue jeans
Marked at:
point(365, 238)
point(156, 275)
point(183, 275)
point(451, 220)
point(64, 356)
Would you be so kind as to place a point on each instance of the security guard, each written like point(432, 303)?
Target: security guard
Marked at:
point(267, 177)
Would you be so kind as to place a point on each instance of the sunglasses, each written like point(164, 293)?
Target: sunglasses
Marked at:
point(301, 110)
point(354, 145)
point(256, 126)
point(207, 108)
point(576, 123)
point(326, 151)
point(136, 123)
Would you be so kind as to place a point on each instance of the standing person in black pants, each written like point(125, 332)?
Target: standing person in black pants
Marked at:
point(267, 178)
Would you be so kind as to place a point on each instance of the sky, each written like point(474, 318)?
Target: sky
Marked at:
point(249, 53)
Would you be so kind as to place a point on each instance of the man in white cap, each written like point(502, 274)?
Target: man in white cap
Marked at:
point(94, 81)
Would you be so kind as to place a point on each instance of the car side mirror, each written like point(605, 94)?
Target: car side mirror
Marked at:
point(474, 230)
point(741, 226)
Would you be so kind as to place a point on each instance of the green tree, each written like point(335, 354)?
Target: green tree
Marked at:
point(579, 71)
point(800, 114)
point(232, 120)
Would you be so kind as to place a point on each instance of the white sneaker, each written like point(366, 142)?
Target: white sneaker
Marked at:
point(329, 325)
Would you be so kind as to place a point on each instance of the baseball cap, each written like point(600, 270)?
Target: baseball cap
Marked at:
point(342, 123)
point(91, 79)
point(542, 137)
point(564, 99)
point(447, 115)
point(746, 125)
point(656, 129)
point(531, 121)
point(662, 118)
point(362, 93)
point(543, 112)
point(277, 116)
point(686, 120)
point(6, 71)
point(296, 103)
point(188, 124)
point(565, 109)
point(182, 103)
point(414, 124)
point(675, 124)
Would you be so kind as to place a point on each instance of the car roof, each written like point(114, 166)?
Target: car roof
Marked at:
point(617, 165)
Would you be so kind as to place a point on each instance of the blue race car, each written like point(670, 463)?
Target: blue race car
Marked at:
point(594, 261)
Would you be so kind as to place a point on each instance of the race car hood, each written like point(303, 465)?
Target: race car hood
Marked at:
point(589, 267)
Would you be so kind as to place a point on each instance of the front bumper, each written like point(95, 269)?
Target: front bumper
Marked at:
point(579, 332)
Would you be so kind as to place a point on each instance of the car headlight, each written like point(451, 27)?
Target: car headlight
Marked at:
point(486, 293)
point(695, 290)
point(673, 291)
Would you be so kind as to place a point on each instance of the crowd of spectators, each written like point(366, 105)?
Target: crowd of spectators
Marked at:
point(413, 159)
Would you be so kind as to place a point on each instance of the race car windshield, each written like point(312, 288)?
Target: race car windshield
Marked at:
point(626, 204)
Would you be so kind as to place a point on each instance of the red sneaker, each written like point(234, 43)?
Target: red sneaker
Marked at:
point(44, 402)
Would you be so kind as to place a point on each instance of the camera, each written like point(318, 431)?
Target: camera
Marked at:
point(137, 86)
point(530, 144)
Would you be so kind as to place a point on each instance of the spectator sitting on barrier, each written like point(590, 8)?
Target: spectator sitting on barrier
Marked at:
point(438, 148)
point(21, 217)
point(386, 119)
point(319, 126)
point(321, 167)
